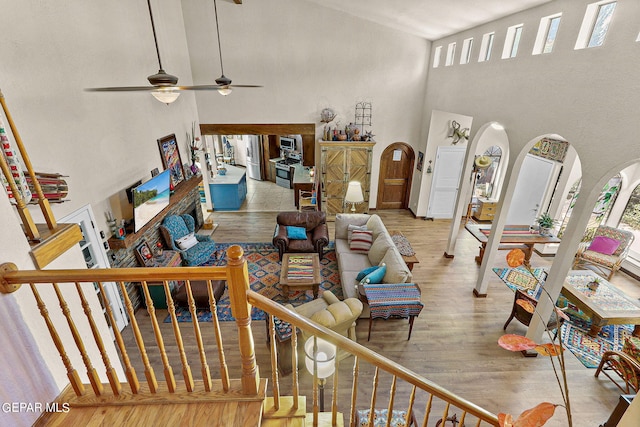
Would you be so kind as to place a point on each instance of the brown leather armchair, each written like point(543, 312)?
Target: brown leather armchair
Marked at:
point(314, 223)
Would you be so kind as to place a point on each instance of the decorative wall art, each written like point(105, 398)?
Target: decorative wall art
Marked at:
point(420, 160)
point(171, 158)
point(551, 149)
point(143, 252)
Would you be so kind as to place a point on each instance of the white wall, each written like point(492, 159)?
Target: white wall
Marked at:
point(308, 57)
point(582, 95)
point(104, 142)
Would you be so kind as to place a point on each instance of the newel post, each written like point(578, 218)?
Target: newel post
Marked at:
point(238, 284)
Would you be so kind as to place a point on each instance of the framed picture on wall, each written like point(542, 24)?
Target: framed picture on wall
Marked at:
point(420, 161)
point(171, 158)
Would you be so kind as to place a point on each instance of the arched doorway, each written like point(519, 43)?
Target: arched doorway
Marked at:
point(396, 172)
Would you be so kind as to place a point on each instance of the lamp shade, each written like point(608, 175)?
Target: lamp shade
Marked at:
point(166, 95)
point(324, 356)
point(354, 193)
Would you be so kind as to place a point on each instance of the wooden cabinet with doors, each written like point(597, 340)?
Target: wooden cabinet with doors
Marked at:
point(341, 162)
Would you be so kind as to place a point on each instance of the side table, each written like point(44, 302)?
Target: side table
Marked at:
point(156, 290)
point(401, 300)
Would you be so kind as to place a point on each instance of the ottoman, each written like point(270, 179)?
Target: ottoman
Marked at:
point(200, 293)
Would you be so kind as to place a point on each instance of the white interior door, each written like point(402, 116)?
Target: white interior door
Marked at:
point(531, 188)
point(446, 180)
point(95, 256)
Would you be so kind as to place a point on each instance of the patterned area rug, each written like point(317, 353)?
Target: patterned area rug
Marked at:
point(264, 278)
point(587, 349)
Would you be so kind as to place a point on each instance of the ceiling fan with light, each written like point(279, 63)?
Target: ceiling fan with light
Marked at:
point(164, 87)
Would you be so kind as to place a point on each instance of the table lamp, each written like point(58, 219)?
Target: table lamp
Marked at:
point(320, 356)
point(354, 195)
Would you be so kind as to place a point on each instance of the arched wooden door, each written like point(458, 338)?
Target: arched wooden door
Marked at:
point(396, 172)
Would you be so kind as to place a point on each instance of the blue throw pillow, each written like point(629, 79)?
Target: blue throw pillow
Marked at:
point(365, 272)
point(375, 276)
point(296, 233)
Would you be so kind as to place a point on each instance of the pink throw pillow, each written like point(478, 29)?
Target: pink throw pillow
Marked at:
point(604, 245)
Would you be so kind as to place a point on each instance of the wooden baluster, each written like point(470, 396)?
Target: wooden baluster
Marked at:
point(129, 370)
point(392, 397)
point(25, 215)
point(224, 369)
point(241, 310)
point(72, 374)
point(186, 369)
point(294, 364)
point(354, 392)
point(412, 399)
point(94, 379)
point(42, 201)
point(274, 363)
point(148, 369)
point(427, 411)
point(462, 417)
point(446, 413)
point(478, 423)
point(110, 371)
point(334, 400)
point(204, 367)
point(168, 370)
point(373, 396)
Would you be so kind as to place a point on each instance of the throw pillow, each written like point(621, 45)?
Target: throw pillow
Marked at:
point(296, 233)
point(365, 272)
point(604, 245)
point(351, 228)
point(376, 276)
point(361, 241)
point(187, 242)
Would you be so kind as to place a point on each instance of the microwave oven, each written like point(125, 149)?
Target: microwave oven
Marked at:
point(287, 143)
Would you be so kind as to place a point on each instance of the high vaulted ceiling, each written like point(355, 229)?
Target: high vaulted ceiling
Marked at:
point(431, 19)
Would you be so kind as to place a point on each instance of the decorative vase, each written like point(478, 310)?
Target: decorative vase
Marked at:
point(593, 286)
point(222, 170)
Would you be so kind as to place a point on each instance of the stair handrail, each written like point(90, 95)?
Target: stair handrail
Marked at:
point(364, 353)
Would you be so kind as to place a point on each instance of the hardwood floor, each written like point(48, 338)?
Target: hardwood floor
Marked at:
point(454, 340)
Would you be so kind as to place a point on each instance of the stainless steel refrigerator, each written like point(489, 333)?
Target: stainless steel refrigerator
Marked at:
point(254, 156)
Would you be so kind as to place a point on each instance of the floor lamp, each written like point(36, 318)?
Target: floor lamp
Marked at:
point(480, 163)
point(354, 195)
point(320, 359)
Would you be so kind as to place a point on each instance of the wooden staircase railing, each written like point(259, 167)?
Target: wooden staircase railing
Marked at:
point(105, 388)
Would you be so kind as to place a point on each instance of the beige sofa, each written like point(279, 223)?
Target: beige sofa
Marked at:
point(383, 250)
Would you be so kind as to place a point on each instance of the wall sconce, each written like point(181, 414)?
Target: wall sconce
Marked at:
point(429, 167)
point(456, 133)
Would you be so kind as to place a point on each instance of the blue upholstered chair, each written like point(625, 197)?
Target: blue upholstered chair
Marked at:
point(175, 227)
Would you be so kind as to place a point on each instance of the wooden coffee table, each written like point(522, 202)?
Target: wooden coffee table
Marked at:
point(607, 305)
point(287, 281)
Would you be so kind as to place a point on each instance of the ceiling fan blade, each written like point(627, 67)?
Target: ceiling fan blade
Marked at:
point(246, 86)
point(121, 89)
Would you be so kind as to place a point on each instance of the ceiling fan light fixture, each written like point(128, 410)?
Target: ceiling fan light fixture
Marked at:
point(166, 95)
point(224, 91)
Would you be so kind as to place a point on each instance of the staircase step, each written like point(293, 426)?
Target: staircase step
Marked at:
point(286, 409)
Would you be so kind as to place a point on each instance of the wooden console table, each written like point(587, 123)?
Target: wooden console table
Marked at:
point(409, 260)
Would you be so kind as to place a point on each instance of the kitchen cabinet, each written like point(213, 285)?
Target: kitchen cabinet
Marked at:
point(229, 191)
point(341, 162)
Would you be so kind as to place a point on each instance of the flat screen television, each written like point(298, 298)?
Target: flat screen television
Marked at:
point(150, 198)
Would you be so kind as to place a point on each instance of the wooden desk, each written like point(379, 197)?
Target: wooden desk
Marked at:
point(606, 305)
point(304, 283)
point(514, 236)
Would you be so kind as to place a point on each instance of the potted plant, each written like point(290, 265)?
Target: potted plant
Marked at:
point(545, 224)
point(593, 284)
